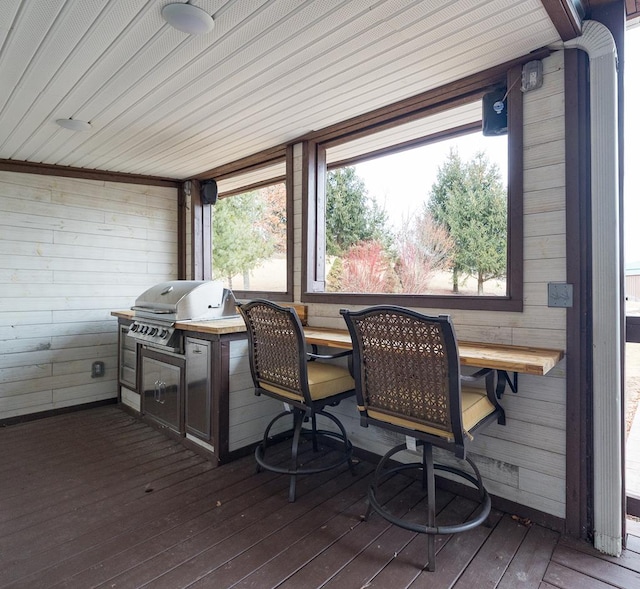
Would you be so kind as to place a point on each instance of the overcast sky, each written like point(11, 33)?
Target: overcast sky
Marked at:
point(401, 182)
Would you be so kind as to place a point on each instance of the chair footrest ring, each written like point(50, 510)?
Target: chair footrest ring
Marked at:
point(383, 475)
point(343, 459)
point(341, 436)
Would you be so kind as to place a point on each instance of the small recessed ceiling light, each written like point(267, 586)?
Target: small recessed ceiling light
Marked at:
point(74, 124)
point(188, 18)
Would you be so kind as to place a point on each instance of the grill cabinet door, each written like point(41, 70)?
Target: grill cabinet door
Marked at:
point(127, 363)
point(162, 388)
point(198, 396)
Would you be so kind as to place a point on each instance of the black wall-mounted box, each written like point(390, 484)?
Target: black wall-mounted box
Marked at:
point(494, 112)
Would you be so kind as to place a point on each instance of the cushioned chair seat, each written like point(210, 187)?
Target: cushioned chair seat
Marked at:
point(325, 380)
point(475, 407)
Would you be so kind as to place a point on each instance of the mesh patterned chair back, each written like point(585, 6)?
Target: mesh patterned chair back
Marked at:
point(277, 350)
point(282, 369)
point(408, 374)
point(408, 380)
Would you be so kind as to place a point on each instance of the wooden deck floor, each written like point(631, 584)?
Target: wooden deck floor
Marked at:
point(97, 499)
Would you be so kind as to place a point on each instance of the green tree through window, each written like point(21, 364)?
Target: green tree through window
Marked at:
point(470, 202)
point(351, 216)
point(249, 230)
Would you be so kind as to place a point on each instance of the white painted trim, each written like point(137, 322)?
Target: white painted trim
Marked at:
point(598, 43)
point(130, 398)
point(200, 442)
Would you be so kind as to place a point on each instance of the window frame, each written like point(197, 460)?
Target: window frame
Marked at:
point(431, 102)
point(287, 295)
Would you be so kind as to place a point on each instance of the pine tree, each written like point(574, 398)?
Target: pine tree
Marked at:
point(351, 216)
point(469, 201)
point(240, 240)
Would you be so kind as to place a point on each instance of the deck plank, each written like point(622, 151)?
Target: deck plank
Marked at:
point(489, 565)
point(225, 544)
point(382, 551)
point(82, 492)
point(560, 576)
point(289, 539)
point(120, 544)
point(270, 573)
point(340, 552)
point(96, 498)
point(598, 568)
point(456, 555)
point(407, 564)
point(628, 559)
point(529, 565)
point(60, 525)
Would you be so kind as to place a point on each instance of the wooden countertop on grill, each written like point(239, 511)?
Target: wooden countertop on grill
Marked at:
point(521, 359)
point(216, 326)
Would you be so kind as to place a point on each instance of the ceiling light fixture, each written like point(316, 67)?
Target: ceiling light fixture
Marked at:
point(188, 18)
point(74, 124)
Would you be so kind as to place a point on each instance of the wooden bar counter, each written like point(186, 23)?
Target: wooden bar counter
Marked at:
point(521, 359)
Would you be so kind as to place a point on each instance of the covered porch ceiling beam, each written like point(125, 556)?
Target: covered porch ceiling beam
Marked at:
point(566, 16)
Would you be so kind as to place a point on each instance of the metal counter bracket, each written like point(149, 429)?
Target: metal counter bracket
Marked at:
point(504, 380)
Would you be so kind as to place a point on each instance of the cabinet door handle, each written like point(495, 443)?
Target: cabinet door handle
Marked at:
point(162, 391)
point(156, 391)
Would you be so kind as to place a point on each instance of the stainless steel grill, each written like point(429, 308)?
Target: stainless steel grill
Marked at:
point(157, 310)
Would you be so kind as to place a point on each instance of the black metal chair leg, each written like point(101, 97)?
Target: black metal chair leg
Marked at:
point(314, 435)
point(367, 514)
point(352, 466)
point(299, 418)
point(427, 455)
point(425, 471)
point(261, 449)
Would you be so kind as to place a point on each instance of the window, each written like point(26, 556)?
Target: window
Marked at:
point(251, 235)
point(420, 210)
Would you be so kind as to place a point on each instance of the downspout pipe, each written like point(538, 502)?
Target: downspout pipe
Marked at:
point(597, 41)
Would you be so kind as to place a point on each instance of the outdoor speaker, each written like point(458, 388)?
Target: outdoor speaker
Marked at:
point(494, 112)
point(208, 192)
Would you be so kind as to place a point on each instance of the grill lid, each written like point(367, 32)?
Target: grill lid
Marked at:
point(184, 300)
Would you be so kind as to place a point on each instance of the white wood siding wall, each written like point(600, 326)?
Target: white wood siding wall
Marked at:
point(248, 415)
point(523, 461)
point(71, 251)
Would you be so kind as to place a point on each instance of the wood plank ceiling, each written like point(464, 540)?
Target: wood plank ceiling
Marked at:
point(163, 103)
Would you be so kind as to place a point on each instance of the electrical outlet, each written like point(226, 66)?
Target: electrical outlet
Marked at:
point(531, 75)
point(560, 294)
point(97, 369)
